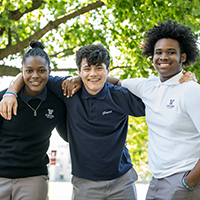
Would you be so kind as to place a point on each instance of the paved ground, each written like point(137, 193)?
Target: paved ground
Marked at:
point(63, 191)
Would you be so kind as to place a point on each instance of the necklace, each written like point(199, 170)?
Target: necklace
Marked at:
point(34, 110)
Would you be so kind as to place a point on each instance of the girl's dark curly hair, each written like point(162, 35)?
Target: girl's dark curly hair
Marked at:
point(36, 50)
point(171, 29)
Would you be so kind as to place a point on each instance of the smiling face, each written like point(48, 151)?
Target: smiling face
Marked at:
point(93, 76)
point(35, 74)
point(167, 58)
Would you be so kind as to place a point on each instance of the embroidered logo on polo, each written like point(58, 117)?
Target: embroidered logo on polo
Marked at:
point(171, 105)
point(106, 112)
point(49, 114)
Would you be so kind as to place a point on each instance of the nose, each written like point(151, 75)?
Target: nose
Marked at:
point(93, 72)
point(164, 56)
point(35, 75)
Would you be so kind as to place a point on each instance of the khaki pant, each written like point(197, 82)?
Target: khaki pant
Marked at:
point(122, 188)
point(30, 188)
point(171, 188)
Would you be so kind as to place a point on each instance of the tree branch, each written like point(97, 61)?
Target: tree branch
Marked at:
point(120, 67)
point(61, 56)
point(8, 70)
point(9, 37)
point(16, 15)
point(50, 26)
point(2, 30)
point(64, 70)
point(67, 52)
point(13, 71)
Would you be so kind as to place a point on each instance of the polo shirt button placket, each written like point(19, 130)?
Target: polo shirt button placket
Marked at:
point(92, 109)
point(159, 97)
point(91, 106)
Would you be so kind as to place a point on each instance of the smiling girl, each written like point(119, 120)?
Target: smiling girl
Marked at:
point(24, 140)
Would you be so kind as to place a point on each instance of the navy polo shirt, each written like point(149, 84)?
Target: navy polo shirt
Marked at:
point(25, 98)
point(24, 140)
point(97, 128)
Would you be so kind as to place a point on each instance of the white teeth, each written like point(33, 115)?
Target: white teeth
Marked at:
point(94, 79)
point(164, 65)
point(35, 83)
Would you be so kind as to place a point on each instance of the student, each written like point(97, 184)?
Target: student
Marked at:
point(172, 113)
point(99, 156)
point(97, 123)
point(24, 140)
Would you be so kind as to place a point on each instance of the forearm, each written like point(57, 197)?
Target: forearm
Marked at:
point(194, 176)
point(16, 84)
point(114, 81)
point(54, 84)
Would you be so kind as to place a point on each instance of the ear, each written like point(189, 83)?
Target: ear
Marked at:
point(183, 57)
point(21, 69)
point(108, 69)
point(49, 69)
point(79, 72)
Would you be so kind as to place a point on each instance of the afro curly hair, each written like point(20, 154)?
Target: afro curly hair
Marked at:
point(174, 30)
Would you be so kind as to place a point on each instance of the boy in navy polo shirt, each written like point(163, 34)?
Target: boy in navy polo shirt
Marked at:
point(97, 123)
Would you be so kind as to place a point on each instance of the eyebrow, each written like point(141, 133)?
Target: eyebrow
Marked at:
point(86, 65)
point(28, 66)
point(167, 49)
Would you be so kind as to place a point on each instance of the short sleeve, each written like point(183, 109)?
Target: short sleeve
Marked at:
point(134, 85)
point(192, 103)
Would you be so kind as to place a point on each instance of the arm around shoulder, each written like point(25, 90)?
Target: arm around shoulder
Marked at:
point(131, 104)
point(54, 84)
point(114, 81)
point(16, 84)
point(134, 85)
point(9, 102)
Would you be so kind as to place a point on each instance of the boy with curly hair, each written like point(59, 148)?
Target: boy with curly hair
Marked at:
point(172, 113)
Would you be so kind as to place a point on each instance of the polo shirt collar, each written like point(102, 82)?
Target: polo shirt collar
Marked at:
point(172, 81)
point(42, 96)
point(100, 95)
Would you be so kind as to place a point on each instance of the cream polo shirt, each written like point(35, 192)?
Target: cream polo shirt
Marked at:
point(173, 118)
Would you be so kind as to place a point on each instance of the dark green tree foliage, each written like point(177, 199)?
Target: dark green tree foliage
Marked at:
point(67, 25)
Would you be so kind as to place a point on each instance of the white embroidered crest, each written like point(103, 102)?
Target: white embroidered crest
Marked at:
point(49, 114)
